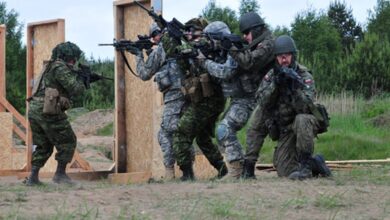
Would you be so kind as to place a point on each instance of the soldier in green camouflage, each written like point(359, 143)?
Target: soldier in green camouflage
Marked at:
point(198, 121)
point(287, 113)
point(53, 93)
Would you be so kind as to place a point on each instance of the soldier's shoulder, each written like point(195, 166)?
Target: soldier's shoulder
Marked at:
point(268, 77)
point(304, 71)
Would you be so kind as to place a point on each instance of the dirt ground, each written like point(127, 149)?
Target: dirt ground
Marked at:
point(358, 194)
point(362, 193)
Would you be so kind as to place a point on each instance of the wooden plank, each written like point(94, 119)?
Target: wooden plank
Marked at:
point(83, 164)
point(82, 175)
point(11, 172)
point(379, 161)
point(127, 178)
point(120, 152)
point(6, 140)
point(21, 134)
point(21, 119)
point(3, 32)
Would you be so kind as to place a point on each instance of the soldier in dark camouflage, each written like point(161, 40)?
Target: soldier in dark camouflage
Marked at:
point(198, 121)
point(286, 112)
point(52, 94)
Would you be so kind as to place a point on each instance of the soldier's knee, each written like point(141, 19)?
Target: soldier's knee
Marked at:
point(223, 131)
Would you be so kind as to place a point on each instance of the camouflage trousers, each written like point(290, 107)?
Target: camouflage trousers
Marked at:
point(295, 142)
point(50, 131)
point(233, 121)
point(169, 124)
point(198, 121)
point(256, 133)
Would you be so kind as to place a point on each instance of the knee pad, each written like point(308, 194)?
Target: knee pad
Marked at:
point(223, 131)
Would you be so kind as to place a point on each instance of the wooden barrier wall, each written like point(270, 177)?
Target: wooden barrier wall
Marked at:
point(138, 103)
point(42, 37)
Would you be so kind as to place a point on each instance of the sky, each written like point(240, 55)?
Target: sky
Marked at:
point(89, 22)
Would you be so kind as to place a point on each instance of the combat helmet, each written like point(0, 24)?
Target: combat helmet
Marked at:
point(66, 51)
point(154, 30)
point(217, 27)
point(196, 23)
point(249, 21)
point(285, 44)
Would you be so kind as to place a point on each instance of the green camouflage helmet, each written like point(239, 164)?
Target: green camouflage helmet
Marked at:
point(285, 44)
point(217, 27)
point(196, 23)
point(250, 20)
point(66, 51)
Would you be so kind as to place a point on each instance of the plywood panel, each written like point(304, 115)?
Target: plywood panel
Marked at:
point(141, 113)
point(140, 125)
point(6, 140)
point(42, 37)
point(2, 63)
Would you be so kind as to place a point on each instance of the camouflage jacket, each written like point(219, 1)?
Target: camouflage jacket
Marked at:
point(154, 62)
point(168, 74)
point(283, 103)
point(61, 76)
point(254, 63)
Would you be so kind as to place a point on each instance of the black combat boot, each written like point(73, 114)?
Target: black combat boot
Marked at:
point(60, 176)
point(33, 179)
point(221, 167)
point(249, 170)
point(188, 173)
point(305, 168)
point(319, 167)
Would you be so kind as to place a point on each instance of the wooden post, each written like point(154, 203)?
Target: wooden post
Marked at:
point(3, 32)
point(120, 156)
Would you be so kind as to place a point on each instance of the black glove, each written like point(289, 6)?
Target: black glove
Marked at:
point(133, 50)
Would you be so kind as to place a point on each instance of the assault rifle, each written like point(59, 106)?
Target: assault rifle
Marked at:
point(174, 27)
point(226, 40)
point(86, 74)
point(289, 73)
point(143, 42)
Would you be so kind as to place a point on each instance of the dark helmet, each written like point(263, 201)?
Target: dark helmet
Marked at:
point(196, 23)
point(249, 21)
point(285, 44)
point(66, 51)
point(217, 27)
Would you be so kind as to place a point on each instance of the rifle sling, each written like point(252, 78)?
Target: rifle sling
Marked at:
point(127, 63)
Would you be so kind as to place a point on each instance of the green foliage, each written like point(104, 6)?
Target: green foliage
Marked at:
point(212, 12)
point(15, 59)
point(366, 68)
point(379, 20)
point(278, 31)
point(343, 20)
point(249, 6)
point(101, 94)
point(376, 108)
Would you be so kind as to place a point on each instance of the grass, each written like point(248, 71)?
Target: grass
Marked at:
point(107, 130)
point(351, 134)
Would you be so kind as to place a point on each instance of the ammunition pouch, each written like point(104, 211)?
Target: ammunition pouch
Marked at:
point(163, 80)
point(53, 103)
point(207, 88)
point(192, 89)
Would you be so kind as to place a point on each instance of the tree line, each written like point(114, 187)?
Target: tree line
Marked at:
point(342, 54)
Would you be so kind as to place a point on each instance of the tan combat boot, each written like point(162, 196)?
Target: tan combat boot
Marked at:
point(234, 171)
point(169, 173)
